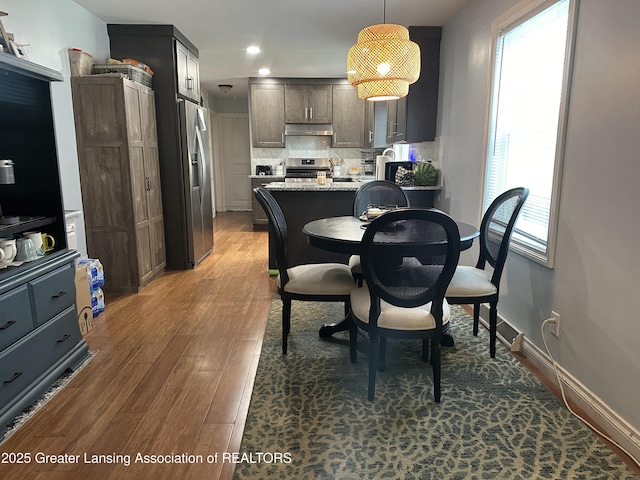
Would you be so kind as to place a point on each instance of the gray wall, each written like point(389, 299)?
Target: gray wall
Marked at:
point(594, 285)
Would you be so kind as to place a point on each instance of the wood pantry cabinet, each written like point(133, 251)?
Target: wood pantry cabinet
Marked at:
point(266, 101)
point(39, 333)
point(120, 178)
point(307, 103)
point(413, 118)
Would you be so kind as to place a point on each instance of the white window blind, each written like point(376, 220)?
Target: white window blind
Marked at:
point(525, 142)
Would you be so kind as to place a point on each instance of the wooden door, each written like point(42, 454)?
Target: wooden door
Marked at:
point(152, 176)
point(236, 162)
point(139, 180)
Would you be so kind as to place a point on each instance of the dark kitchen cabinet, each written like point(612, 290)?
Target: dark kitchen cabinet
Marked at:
point(397, 120)
point(308, 103)
point(266, 101)
point(348, 118)
point(413, 118)
point(39, 333)
point(188, 70)
point(161, 47)
point(259, 217)
point(369, 124)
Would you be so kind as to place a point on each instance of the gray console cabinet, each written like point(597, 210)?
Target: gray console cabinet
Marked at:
point(39, 333)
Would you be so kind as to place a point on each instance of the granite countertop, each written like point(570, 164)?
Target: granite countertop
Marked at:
point(331, 186)
point(313, 186)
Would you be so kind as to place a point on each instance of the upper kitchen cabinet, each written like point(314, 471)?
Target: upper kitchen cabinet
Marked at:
point(348, 118)
point(188, 72)
point(266, 102)
point(412, 119)
point(308, 103)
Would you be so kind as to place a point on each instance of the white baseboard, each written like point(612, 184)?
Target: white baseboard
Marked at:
point(616, 427)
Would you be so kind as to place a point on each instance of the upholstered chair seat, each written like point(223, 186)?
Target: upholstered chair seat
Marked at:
point(471, 282)
point(319, 279)
point(397, 318)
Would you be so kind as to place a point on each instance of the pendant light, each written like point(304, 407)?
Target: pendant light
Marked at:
point(384, 62)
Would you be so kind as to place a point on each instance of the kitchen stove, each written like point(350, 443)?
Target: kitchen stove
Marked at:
point(302, 170)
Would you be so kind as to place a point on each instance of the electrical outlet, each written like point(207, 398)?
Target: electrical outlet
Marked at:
point(555, 324)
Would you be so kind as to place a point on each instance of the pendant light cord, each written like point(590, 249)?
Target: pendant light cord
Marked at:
point(384, 11)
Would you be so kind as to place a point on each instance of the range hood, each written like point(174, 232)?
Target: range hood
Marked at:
point(307, 129)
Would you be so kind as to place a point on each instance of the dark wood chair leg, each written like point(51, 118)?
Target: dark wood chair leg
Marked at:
point(435, 365)
point(476, 318)
point(373, 365)
point(382, 356)
point(286, 323)
point(493, 328)
point(353, 340)
point(425, 350)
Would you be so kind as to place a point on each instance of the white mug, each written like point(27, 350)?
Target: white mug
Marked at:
point(36, 238)
point(9, 251)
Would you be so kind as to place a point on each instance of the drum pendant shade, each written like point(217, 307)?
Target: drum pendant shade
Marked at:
point(383, 63)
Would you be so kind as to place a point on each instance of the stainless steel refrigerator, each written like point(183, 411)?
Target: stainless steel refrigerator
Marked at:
point(197, 237)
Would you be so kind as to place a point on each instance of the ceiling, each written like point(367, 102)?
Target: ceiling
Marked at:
point(298, 38)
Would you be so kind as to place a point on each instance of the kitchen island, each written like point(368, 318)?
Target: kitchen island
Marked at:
point(303, 202)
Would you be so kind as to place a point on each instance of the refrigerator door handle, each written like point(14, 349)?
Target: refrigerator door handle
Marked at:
point(202, 169)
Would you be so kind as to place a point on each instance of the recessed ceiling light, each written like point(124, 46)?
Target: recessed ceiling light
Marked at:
point(264, 71)
point(253, 49)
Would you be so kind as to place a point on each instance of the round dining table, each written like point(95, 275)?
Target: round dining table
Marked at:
point(344, 235)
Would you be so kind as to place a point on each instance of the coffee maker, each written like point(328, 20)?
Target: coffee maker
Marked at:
point(7, 177)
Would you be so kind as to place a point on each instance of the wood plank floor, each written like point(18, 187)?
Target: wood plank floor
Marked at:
point(173, 374)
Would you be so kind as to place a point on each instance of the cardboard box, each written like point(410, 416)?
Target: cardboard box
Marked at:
point(83, 299)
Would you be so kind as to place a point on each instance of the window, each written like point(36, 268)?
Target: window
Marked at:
point(527, 117)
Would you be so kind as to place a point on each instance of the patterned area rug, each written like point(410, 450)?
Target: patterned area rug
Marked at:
point(28, 413)
point(309, 416)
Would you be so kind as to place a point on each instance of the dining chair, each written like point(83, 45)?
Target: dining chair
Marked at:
point(475, 285)
point(408, 258)
point(320, 282)
point(380, 193)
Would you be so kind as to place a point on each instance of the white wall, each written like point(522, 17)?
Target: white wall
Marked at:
point(50, 28)
point(594, 286)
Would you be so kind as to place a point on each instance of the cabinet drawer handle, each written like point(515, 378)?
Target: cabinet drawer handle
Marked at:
point(15, 376)
point(59, 294)
point(7, 325)
point(63, 339)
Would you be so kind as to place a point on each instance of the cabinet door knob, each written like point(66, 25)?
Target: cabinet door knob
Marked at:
point(59, 294)
point(306, 111)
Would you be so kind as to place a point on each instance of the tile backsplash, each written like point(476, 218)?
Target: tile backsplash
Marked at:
point(320, 147)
